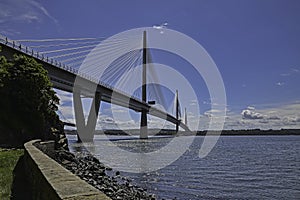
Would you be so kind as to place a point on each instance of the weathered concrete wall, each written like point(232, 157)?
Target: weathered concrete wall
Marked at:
point(49, 180)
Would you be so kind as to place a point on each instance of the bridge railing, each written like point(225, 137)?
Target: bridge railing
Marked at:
point(30, 52)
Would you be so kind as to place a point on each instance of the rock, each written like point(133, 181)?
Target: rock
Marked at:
point(66, 162)
point(60, 139)
point(108, 190)
point(152, 197)
point(91, 170)
point(108, 168)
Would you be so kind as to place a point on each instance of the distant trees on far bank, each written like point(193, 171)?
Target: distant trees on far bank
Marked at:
point(253, 132)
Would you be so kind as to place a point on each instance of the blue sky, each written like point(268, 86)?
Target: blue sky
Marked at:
point(254, 43)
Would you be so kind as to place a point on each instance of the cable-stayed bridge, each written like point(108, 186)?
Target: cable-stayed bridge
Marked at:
point(64, 58)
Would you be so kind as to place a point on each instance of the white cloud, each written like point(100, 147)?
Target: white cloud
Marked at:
point(193, 102)
point(64, 97)
point(161, 27)
point(28, 11)
point(280, 83)
point(291, 120)
point(251, 108)
point(119, 110)
point(250, 114)
point(213, 113)
point(65, 107)
point(275, 117)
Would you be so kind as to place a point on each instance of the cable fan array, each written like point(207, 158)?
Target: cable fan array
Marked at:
point(107, 61)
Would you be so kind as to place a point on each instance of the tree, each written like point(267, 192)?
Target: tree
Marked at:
point(27, 100)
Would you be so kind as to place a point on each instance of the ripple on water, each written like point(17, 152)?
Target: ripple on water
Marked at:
point(248, 167)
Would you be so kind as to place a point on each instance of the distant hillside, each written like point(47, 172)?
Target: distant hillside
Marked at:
point(198, 133)
point(256, 132)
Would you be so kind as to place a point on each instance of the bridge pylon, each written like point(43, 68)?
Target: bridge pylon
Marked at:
point(177, 111)
point(185, 117)
point(144, 125)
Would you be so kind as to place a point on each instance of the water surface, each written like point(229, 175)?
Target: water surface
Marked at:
point(239, 167)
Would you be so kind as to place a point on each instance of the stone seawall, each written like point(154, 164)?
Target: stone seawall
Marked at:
point(49, 180)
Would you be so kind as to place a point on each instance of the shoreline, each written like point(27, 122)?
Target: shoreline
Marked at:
point(95, 173)
point(168, 132)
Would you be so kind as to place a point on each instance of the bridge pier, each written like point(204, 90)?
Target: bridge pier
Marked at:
point(144, 126)
point(85, 131)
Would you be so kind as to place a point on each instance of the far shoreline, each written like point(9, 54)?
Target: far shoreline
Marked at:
point(170, 132)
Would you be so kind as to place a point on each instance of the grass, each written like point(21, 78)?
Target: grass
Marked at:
point(8, 161)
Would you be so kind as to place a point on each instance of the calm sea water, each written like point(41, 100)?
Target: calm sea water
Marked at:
point(239, 167)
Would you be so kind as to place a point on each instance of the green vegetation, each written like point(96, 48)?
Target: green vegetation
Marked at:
point(8, 161)
point(28, 102)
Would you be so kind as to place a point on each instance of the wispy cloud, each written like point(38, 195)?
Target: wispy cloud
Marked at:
point(10, 32)
point(42, 9)
point(285, 74)
point(290, 72)
point(22, 11)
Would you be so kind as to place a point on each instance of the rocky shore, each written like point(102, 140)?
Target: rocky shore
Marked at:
point(98, 175)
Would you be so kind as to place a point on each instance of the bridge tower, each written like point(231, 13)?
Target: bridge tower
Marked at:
point(144, 126)
point(185, 116)
point(177, 110)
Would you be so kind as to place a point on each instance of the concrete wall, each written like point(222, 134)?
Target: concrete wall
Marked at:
point(49, 180)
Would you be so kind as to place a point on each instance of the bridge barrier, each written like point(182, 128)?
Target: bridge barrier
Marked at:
point(49, 180)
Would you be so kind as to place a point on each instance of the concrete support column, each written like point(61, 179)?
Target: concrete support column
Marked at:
point(144, 125)
point(86, 131)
